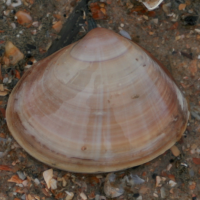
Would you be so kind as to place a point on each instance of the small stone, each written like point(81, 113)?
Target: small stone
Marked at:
point(155, 21)
point(192, 151)
point(23, 18)
point(48, 175)
point(192, 185)
point(145, 17)
point(175, 151)
point(171, 191)
point(198, 150)
point(83, 196)
point(169, 167)
point(69, 196)
point(154, 175)
point(143, 190)
point(163, 179)
point(158, 180)
point(53, 184)
point(139, 198)
point(57, 26)
point(36, 181)
point(166, 7)
point(21, 175)
point(155, 195)
point(13, 53)
point(97, 197)
point(162, 192)
point(172, 183)
point(136, 195)
point(191, 172)
point(194, 146)
point(5, 80)
point(172, 177)
point(125, 34)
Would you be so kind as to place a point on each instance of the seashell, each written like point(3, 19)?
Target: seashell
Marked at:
point(98, 105)
point(57, 26)
point(13, 53)
point(23, 18)
point(152, 4)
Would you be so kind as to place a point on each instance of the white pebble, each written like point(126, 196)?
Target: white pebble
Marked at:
point(13, 25)
point(125, 34)
point(83, 196)
point(5, 80)
point(172, 183)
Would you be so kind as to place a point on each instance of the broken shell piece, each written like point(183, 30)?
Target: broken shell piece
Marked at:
point(53, 184)
point(172, 183)
point(175, 151)
point(69, 196)
point(152, 4)
point(23, 18)
point(57, 26)
point(3, 93)
point(83, 196)
point(112, 189)
point(74, 110)
point(1, 87)
point(17, 3)
point(158, 181)
point(48, 175)
point(13, 53)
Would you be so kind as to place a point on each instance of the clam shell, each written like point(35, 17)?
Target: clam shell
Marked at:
point(98, 105)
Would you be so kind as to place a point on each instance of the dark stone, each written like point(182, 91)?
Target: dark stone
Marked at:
point(30, 46)
point(190, 20)
point(136, 195)
point(154, 175)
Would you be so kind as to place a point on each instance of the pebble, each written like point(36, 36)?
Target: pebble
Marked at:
point(21, 175)
point(143, 190)
point(97, 197)
point(194, 146)
point(198, 150)
point(162, 192)
point(191, 172)
point(112, 190)
point(48, 175)
point(169, 167)
point(155, 21)
point(12, 51)
point(166, 7)
point(83, 196)
point(53, 184)
point(139, 198)
point(158, 180)
point(36, 181)
point(23, 18)
point(192, 185)
point(172, 183)
point(5, 80)
point(69, 196)
point(125, 34)
point(155, 195)
point(175, 151)
point(57, 26)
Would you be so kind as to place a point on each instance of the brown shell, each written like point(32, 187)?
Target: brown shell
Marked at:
point(101, 104)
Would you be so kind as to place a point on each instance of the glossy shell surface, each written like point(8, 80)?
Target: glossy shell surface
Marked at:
point(98, 105)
